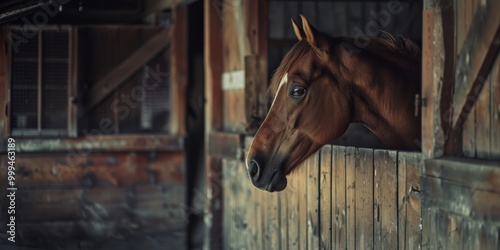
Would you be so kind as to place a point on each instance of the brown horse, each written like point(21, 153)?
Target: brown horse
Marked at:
point(321, 86)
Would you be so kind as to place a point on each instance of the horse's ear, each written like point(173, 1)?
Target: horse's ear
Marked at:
point(313, 35)
point(298, 31)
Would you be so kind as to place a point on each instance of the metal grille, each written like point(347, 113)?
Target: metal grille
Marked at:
point(55, 80)
point(24, 88)
point(149, 92)
point(141, 105)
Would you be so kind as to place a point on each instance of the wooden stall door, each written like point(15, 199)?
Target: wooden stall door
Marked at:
point(461, 169)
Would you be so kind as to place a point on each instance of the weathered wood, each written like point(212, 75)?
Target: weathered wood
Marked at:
point(385, 200)
point(294, 226)
point(234, 110)
point(95, 141)
point(475, 60)
point(179, 69)
point(251, 95)
point(470, 173)
point(226, 145)
point(339, 218)
point(283, 216)
point(409, 201)
point(495, 111)
point(452, 197)
point(257, 34)
point(213, 121)
point(433, 64)
point(350, 169)
point(162, 201)
point(303, 216)
point(313, 202)
point(326, 200)
point(128, 234)
point(110, 82)
point(364, 198)
point(455, 232)
point(100, 170)
point(469, 135)
point(483, 122)
point(73, 82)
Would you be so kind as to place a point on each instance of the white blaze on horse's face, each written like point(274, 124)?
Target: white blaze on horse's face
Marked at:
point(284, 80)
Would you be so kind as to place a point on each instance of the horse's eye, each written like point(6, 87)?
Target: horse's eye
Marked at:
point(297, 91)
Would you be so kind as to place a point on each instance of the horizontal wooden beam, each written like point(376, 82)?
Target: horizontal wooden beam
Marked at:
point(99, 169)
point(467, 187)
point(98, 143)
point(114, 79)
point(475, 60)
point(226, 145)
point(470, 173)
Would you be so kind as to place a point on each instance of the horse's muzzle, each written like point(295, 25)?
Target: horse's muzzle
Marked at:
point(266, 180)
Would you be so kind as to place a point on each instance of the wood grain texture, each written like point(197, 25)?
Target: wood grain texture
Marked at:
point(386, 205)
point(100, 170)
point(313, 204)
point(409, 200)
point(326, 200)
point(364, 198)
point(339, 182)
point(350, 170)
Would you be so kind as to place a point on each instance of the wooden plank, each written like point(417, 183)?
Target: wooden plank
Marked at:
point(251, 95)
point(179, 69)
point(409, 200)
point(107, 235)
point(350, 170)
point(339, 184)
point(234, 110)
point(364, 198)
point(107, 84)
point(294, 226)
point(326, 202)
point(303, 216)
point(283, 216)
point(386, 205)
point(161, 201)
point(426, 227)
point(213, 121)
point(100, 170)
point(495, 111)
point(469, 136)
point(313, 202)
point(95, 141)
point(470, 173)
point(476, 59)
point(451, 197)
point(433, 53)
point(257, 34)
point(226, 145)
point(483, 122)
point(455, 231)
point(73, 82)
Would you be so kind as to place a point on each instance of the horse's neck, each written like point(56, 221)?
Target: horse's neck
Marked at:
point(383, 100)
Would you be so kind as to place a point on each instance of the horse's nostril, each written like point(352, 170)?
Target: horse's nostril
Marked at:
point(253, 169)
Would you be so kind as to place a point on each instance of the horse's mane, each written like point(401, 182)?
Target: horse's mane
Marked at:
point(395, 44)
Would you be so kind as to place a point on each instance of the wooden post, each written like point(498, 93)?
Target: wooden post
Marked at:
point(437, 64)
point(179, 66)
point(213, 122)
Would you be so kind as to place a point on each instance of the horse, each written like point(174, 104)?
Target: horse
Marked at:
point(325, 83)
